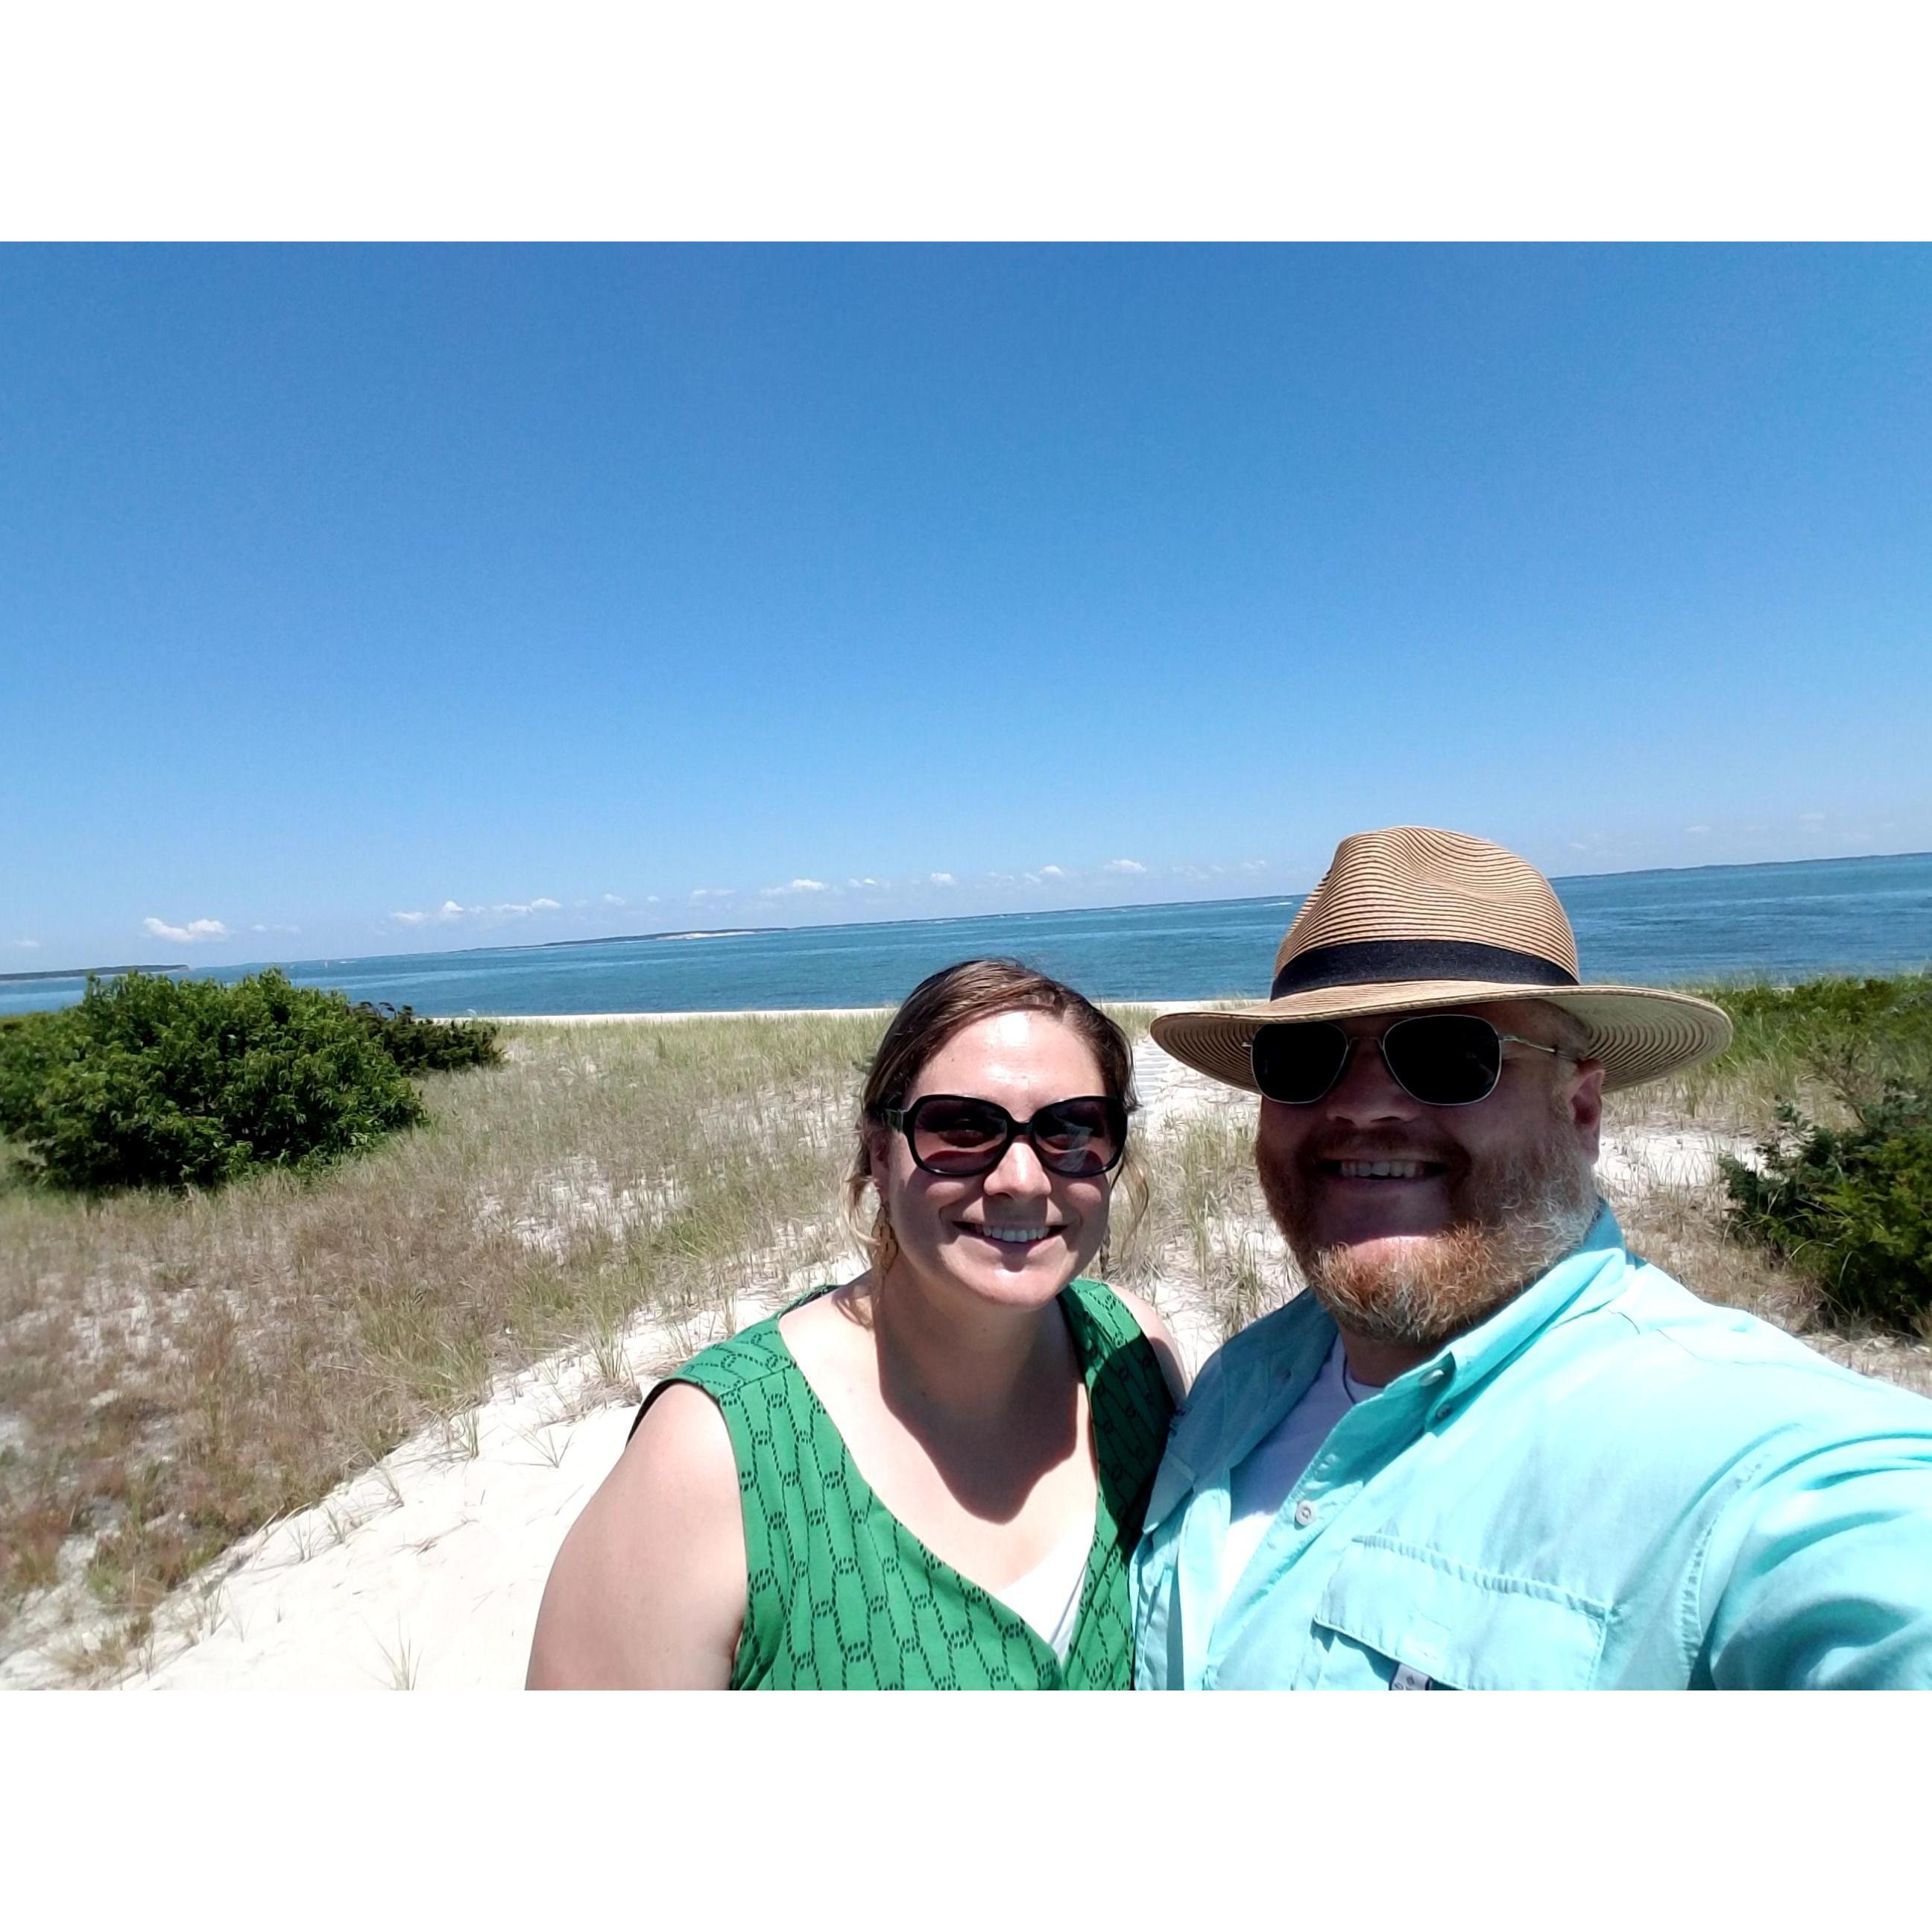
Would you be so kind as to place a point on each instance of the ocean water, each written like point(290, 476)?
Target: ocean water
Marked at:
point(1781, 923)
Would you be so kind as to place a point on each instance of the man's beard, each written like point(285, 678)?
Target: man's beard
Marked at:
point(1513, 1219)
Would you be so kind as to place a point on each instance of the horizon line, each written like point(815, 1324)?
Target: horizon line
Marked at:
point(938, 918)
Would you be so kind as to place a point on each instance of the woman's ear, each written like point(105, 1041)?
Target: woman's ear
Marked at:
point(878, 1142)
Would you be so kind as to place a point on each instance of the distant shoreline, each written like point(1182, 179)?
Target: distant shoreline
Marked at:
point(87, 972)
point(1129, 905)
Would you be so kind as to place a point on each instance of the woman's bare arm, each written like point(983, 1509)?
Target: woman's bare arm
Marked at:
point(648, 1591)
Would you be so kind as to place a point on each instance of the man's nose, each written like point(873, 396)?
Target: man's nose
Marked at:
point(1366, 1091)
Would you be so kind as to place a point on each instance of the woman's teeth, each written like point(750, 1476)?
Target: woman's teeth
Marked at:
point(1019, 1236)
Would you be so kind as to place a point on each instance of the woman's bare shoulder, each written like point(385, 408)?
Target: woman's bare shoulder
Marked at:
point(1157, 1331)
point(649, 1588)
point(828, 1335)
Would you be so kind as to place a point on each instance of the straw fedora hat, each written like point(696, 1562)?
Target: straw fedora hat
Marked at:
point(1411, 918)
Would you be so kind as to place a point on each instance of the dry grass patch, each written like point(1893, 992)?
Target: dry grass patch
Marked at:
point(1206, 1249)
point(176, 1372)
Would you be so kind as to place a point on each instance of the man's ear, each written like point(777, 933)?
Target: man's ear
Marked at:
point(1586, 1104)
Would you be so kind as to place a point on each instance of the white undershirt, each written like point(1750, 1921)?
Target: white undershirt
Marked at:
point(1048, 1597)
point(1264, 1477)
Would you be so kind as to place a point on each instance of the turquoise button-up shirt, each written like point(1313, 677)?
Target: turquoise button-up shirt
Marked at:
point(1608, 1484)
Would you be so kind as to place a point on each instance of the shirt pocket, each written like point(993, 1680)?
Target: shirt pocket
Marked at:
point(1390, 1603)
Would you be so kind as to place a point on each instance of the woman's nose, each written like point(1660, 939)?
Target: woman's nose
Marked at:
point(1019, 1171)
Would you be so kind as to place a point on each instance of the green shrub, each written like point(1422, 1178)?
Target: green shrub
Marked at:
point(1851, 1207)
point(152, 1081)
point(419, 1046)
point(31, 1046)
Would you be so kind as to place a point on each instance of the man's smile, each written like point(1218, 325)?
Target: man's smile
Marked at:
point(1374, 1163)
point(1382, 1170)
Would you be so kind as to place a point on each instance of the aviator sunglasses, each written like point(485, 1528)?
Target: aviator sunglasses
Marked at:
point(955, 1134)
point(1443, 1060)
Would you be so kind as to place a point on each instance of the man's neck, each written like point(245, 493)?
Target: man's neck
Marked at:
point(1375, 1364)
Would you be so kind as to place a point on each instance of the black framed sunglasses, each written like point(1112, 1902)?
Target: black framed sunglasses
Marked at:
point(956, 1135)
point(1443, 1060)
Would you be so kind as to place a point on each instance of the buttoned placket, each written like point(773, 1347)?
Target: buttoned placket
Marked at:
point(1363, 1442)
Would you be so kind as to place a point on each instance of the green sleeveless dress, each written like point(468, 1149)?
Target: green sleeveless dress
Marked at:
point(841, 1596)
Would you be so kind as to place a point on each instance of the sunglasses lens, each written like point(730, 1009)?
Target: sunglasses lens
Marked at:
point(1297, 1061)
point(952, 1135)
point(1445, 1060)
point(1080, 1137)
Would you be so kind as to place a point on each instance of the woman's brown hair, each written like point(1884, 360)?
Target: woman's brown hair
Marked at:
point(944, 1004)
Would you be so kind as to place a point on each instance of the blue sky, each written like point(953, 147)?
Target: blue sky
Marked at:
point(367, 600)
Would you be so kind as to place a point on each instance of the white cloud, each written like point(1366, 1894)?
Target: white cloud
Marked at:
point(1050, 872)
point(512, 909)
point(942, 878)
point(1254, 865)
point(28, 945)
point(866, 885)
point(614, 898)
point(797, 886)
point(450, 910)
point(195, 933)
point(1123, 865)
point(1696, 831)
point(713, 892)
point(650, 898)
point(260, 927)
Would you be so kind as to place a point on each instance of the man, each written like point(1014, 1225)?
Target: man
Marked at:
point(1493, 1449)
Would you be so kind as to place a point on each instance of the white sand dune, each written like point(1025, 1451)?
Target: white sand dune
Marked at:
point(426, 1574)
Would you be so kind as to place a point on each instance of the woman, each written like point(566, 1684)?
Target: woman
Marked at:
point(934, 1475)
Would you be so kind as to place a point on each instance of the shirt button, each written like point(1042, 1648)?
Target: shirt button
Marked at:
point(1304, 1513)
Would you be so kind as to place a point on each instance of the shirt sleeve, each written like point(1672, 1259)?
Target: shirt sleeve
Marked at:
point(1818, 1572)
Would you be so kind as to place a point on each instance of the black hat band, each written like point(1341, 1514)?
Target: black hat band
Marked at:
point(1364, 962)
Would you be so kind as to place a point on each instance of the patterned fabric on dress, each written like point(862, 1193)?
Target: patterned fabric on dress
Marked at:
point(841, 1596)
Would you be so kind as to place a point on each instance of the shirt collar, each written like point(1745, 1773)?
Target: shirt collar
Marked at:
point(1585, 1278)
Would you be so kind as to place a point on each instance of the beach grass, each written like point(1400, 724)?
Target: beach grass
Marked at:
point(179, 1370)
point(1818, 1044)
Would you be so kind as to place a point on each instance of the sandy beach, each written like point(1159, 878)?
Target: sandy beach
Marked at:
point(426, 1572)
